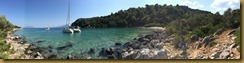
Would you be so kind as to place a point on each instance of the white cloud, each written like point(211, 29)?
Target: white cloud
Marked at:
point(192, 4)
point(225, 4)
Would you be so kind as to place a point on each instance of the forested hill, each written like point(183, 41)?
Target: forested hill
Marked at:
point(150, 15)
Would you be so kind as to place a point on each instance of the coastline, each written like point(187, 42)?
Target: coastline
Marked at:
point(154, 45)
point(18, 46)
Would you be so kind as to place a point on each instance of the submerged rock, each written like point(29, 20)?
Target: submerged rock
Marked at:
point(91, 51)
point(117, 44)
point(69, 44)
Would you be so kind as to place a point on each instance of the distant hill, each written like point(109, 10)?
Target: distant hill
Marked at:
point(29, 27)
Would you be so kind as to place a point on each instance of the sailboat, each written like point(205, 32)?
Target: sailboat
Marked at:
point(67, 29)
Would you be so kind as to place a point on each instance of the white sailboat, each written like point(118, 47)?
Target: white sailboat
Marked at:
point(67, 29)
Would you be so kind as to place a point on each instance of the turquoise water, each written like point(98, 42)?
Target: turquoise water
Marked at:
point(96, 38)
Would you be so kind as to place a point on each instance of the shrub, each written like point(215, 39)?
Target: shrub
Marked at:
point(4, 46)
point(3, 56)
point(199, 32)
point(237, 40)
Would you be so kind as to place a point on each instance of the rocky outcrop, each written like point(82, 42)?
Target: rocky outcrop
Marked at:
point(149, 46)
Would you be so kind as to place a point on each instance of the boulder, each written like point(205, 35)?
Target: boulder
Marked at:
point(109, 51)
point(91, 51)
point(194, 37)
point(225, 54)
point(103, 52)
point(118, 44)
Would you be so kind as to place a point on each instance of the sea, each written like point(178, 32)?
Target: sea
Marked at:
point(88, 38)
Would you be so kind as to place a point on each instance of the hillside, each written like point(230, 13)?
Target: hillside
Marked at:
point(150, 15)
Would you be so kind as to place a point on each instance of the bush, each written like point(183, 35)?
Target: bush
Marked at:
point(4, 46)
point(199, 32)
point(3, 56)
point(238, 40)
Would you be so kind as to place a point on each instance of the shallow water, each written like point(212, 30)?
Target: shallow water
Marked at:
point(96, 38)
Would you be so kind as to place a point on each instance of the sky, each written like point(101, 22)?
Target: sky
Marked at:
point(51, 13)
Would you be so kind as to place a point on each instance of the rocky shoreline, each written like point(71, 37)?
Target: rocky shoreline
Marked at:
point(154, 45)
point(18, 45)
point(159, 45)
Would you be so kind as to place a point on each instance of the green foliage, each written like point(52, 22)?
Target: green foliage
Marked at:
point(199, 32)
point(232, 18)
point(4, 46)
point(238, 39)
point(150, 15)
point(3, 55)
point(5, 26)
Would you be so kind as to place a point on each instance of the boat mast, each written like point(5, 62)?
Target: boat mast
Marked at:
point(68, 17)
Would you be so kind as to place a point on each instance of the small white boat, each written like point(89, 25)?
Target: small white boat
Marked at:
point(47, 29)
point(68, 30)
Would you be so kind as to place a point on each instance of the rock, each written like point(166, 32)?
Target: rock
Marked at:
point(103, 52)
point(143, 39)
point(218, 32)
point(206, 40)
point(130, 49)
point(231, 32)
point(135, 45)
point(118, 44)
point(225, 54)
point(111, 57)
point(150, 37)
point(52, 56)
point(215, 55)
point(194, 37)
point(109, 51)
point(69, 44)
point(50, 47)
point(40, 41)
point(91, 51)
point(161, 55)
point(39, 57)
point(127, 44)
point(69, 57)
point(233, 45)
